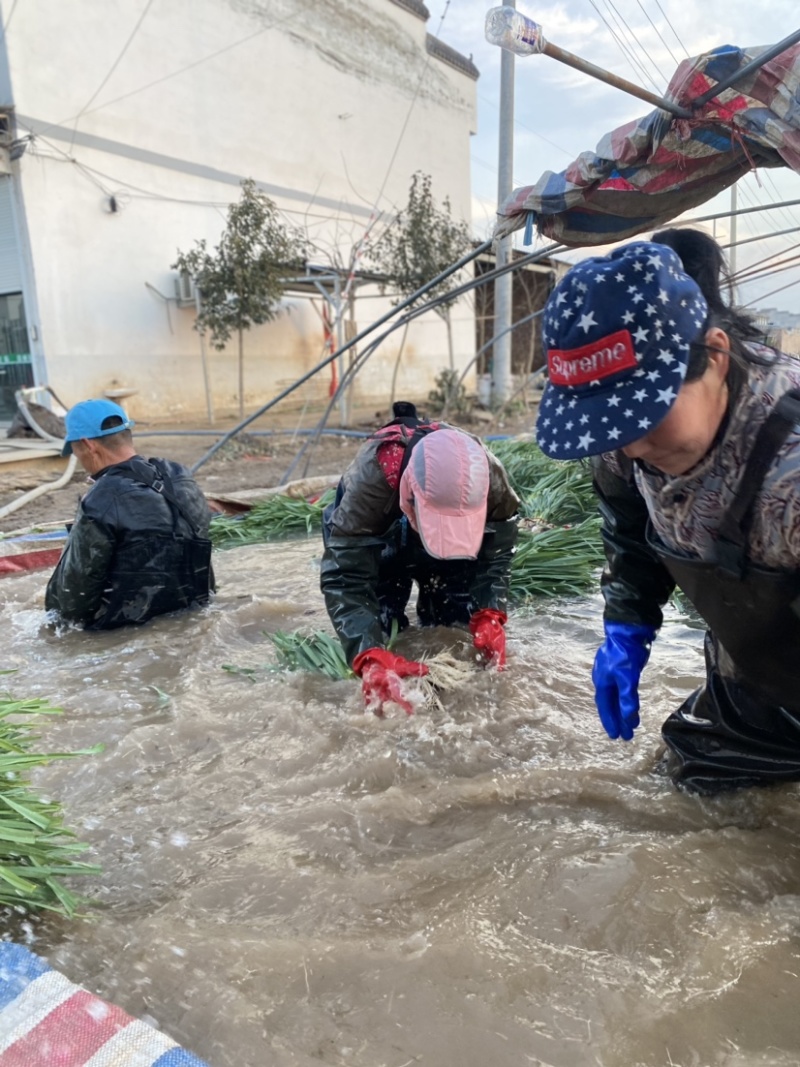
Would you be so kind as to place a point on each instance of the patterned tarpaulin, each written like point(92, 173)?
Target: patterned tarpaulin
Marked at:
point(47, 1021)
point(648, 171)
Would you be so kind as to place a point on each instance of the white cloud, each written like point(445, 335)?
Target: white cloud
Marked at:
point(560, 112)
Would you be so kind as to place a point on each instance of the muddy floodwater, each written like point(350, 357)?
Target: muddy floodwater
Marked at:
point(290, 881)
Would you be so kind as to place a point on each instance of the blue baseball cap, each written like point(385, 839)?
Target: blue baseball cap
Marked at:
point(617, 331)
point(86, 420)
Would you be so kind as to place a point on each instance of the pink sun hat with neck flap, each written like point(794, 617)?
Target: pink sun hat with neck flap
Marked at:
point(444, 492)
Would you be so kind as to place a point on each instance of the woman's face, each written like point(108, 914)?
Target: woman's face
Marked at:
point(682, 438)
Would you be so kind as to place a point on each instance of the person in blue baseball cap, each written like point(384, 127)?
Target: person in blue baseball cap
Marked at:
point(139, 546)
point(84, 422)
point(692, 424)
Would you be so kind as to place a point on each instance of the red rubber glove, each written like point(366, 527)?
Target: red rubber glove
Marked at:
point(488, 635)
point(380, 672)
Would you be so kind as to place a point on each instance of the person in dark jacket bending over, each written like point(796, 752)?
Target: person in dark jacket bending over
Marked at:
point(139, 546)
point(694, 428)
point(421, 502)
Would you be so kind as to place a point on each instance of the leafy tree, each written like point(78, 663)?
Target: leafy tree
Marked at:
point(422, 241)
point(241, 282)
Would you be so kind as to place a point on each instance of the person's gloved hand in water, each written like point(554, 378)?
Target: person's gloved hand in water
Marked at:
point(380, 672)
point(618, 665)
point(489, 636)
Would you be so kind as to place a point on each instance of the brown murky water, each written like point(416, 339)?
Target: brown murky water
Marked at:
point(289, 881)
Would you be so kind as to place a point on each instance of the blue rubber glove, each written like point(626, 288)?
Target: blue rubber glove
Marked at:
point(618, 664)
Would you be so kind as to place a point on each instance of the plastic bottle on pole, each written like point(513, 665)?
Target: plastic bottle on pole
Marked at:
point(510, 29)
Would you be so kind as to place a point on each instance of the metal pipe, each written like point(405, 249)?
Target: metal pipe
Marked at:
point(426, 288)
point(606, 76)
point(503, 286)
point(748, 68)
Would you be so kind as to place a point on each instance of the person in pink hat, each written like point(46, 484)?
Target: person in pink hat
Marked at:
point(424, 503)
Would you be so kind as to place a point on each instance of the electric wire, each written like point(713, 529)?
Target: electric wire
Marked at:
point(633, 60)
point(10, 16)
point(674, 32)
point(658, 31)
point(637, 43)
point(114, 65)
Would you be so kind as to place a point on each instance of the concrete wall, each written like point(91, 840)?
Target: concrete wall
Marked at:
point(310, 100)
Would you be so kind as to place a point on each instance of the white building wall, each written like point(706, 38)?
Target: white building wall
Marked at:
point(332, 112)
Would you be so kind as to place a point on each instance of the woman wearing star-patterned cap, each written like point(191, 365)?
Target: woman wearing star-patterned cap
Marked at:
point(694, 429)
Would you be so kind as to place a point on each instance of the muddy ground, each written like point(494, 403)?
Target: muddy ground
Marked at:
point(248, 461)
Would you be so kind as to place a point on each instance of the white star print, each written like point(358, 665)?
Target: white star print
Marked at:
point(585, 441)
point(666, 356)
point(641, 335)
point(584, 419)
point(613, 434)
point(587, 321)
point(653, 375)
point(628, 317)
point(643, 424)
point(640, 394)
point(663, 296)
point(666, 395)
point(562, 296)
point(613, 400)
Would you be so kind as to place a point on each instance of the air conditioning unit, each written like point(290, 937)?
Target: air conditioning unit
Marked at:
point(185, 289)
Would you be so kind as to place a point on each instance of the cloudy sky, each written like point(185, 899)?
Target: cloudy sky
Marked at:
point(560, 112)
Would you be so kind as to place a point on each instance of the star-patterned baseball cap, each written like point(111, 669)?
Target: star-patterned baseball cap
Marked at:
point(617, 331)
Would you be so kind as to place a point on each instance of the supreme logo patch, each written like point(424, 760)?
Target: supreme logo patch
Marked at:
point(593, 362)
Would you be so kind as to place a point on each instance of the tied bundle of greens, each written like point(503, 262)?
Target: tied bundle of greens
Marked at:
point(320, 653)
point(559, 546)
point(278, 516)
point(298, 651)
point(36, 849)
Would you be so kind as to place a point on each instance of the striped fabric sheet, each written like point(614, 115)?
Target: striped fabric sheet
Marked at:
point(48, 1021)
point(649, 171)
point(31, 552)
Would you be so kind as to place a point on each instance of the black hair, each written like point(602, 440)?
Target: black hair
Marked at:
point(114, 441)
point(704, 262)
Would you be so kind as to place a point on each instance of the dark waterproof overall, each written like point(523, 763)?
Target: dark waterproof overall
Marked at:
point(444, 585)
point(449, 591)
point(742, 727)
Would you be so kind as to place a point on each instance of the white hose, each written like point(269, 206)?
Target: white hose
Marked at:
point(40, 490)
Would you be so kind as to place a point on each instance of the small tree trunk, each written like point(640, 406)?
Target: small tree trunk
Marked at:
point(241, 373)
point(449, 326)
point(397, 364)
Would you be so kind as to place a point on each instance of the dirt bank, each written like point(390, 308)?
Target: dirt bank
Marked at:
point(248, 461)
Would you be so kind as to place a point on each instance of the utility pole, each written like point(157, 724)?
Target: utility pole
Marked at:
point(503, 286)
point(732, 254)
